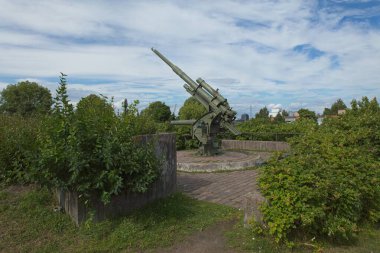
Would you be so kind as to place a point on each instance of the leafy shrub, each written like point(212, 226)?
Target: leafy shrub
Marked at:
point(17, 147)
point(262, 129)
point(331, 182)
point(139, 124)
point(91, 150)
point(191, 109)
point(184, 139)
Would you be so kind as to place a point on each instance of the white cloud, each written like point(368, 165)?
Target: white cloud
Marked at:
point(3, 85)
point(111, 41)
point(274, 106)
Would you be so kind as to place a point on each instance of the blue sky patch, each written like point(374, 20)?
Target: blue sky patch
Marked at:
point(372, 21)
point(277, 82)
point(334, 62)
point(251, 24)
point(259, 47)
point(308, 50)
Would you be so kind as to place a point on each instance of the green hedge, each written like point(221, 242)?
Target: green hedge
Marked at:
point(18, 147)
point(331, 181)
point(260, 129)
point(90, 150)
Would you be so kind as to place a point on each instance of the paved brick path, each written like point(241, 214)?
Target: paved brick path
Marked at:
point(226, 188)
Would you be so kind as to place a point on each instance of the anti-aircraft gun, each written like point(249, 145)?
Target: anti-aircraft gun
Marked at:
point(219, 113)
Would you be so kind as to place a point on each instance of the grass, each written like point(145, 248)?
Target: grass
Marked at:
point(28, 223)
point(252, 240)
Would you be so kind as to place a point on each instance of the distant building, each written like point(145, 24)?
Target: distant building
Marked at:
point(289, 119)
point(273, 112)
point(244, 117)
point(341, 112)
point(320, 120)
point(293, 116)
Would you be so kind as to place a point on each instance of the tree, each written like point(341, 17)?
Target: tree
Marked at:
point(158, 111)
point(94, 111)
point(279, 118)
point(307, 114)
point(284, 113)
point(25, 98)
point(338, 105)
point(263, 113)
point(191, 109)
point(327, 111)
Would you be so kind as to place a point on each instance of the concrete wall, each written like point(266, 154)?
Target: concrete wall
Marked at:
point(255, 145)
point(124, 203)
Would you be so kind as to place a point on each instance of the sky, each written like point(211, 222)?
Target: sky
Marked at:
point(279, 54)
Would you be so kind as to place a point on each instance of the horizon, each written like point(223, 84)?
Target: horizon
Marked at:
point(302, 54)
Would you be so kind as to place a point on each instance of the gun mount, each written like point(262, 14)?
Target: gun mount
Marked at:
point(219, 114)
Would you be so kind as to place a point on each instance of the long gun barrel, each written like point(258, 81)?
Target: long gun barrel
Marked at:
point(183, 122)
point(193, 87)
point(208, 97)
point(177, 70)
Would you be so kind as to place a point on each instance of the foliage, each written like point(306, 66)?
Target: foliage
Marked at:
point(307, 114)
point(253, 239)
point(184, 138)
point(263, 113)
point(265, 130)
point(91, 150)
point(17, 147)
point(191, 109)
point(26, 99)
point(279, 118)
point(331, 181)
point(138, 124)
point(40, 229)
point(158, 111)
point(338, 105)
point(284, 113)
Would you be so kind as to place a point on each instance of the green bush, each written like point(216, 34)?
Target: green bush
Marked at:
point(331, 181)
point(92, 151)
point(17, 147)
point(184, 139)
point(262, 129)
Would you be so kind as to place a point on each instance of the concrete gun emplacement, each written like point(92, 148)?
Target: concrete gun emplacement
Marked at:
point(219, 113)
